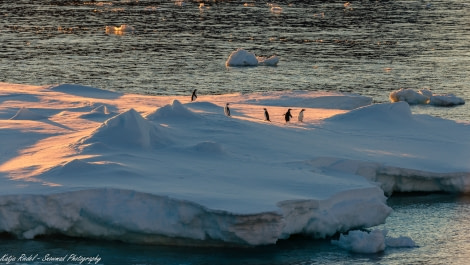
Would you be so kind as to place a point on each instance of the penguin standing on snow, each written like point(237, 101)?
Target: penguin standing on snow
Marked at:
point(287, 115)
point(227, 110)
point(266, 115)
point(301, 115)
point(194, 96)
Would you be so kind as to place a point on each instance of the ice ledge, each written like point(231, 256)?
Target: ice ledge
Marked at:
point(137, 217)
point(396, 179)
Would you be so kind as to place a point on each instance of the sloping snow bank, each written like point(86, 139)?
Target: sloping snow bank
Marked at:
point(128, 129)
point(305, 99)
point(132, 216)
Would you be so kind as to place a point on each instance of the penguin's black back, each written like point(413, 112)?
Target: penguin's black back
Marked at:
point(266, 115)
point(287, 116)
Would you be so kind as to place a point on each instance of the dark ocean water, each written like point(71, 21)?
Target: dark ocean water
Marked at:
point(365, 47)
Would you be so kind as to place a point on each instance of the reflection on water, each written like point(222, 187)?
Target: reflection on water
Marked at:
point(367, 47)
point(439, 224)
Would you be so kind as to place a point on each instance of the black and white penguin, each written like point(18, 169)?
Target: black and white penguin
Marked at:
point(301, 115)
point(287, 115)
point(266, 115)
point(194, 96)
point(227, 110)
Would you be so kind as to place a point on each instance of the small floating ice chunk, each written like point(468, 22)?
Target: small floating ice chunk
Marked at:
point(446, 100)
point(362, 242)
point(121, 30)
point(180, 3)
point(367, 243)
point(410, 96)
point(270, 61)
point(276, 9)
point(400, 242)
point(203, 7)
point(425, 96)
point(425, 92)
point(241, 57)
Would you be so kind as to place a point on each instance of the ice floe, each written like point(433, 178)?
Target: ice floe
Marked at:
point(425, 96)
point(165, 170)
point(241, 57)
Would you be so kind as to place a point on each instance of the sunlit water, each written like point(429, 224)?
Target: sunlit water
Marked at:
point(365, 47)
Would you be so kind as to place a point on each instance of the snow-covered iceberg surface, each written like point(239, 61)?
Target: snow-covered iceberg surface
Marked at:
point(241, 57)
point(155, 169)
point(425, 96)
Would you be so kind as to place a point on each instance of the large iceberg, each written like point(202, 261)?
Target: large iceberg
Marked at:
point(165, 170)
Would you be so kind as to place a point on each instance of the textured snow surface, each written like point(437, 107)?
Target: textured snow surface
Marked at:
point(81, 161)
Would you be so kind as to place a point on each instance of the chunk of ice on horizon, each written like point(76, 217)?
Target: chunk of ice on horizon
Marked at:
point(121, 30)
point(241, 57)
point(425, 96)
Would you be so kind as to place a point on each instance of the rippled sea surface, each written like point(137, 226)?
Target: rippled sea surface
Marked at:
point(365, 47)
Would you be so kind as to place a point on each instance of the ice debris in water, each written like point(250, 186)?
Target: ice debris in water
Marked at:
point(121, 30)
point(241, 57)
point(371, 242)
point(425, 96)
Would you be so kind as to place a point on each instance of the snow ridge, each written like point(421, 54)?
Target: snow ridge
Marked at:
point(27, 114)
point(173, 111)
point(128, 129)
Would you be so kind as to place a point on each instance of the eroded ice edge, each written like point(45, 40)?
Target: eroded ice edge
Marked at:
point(85, 162)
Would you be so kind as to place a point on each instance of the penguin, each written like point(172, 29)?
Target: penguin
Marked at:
point(194, 96)
point(301, 115)
point(287, 115)
point(266, 115)
point(227, 110)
